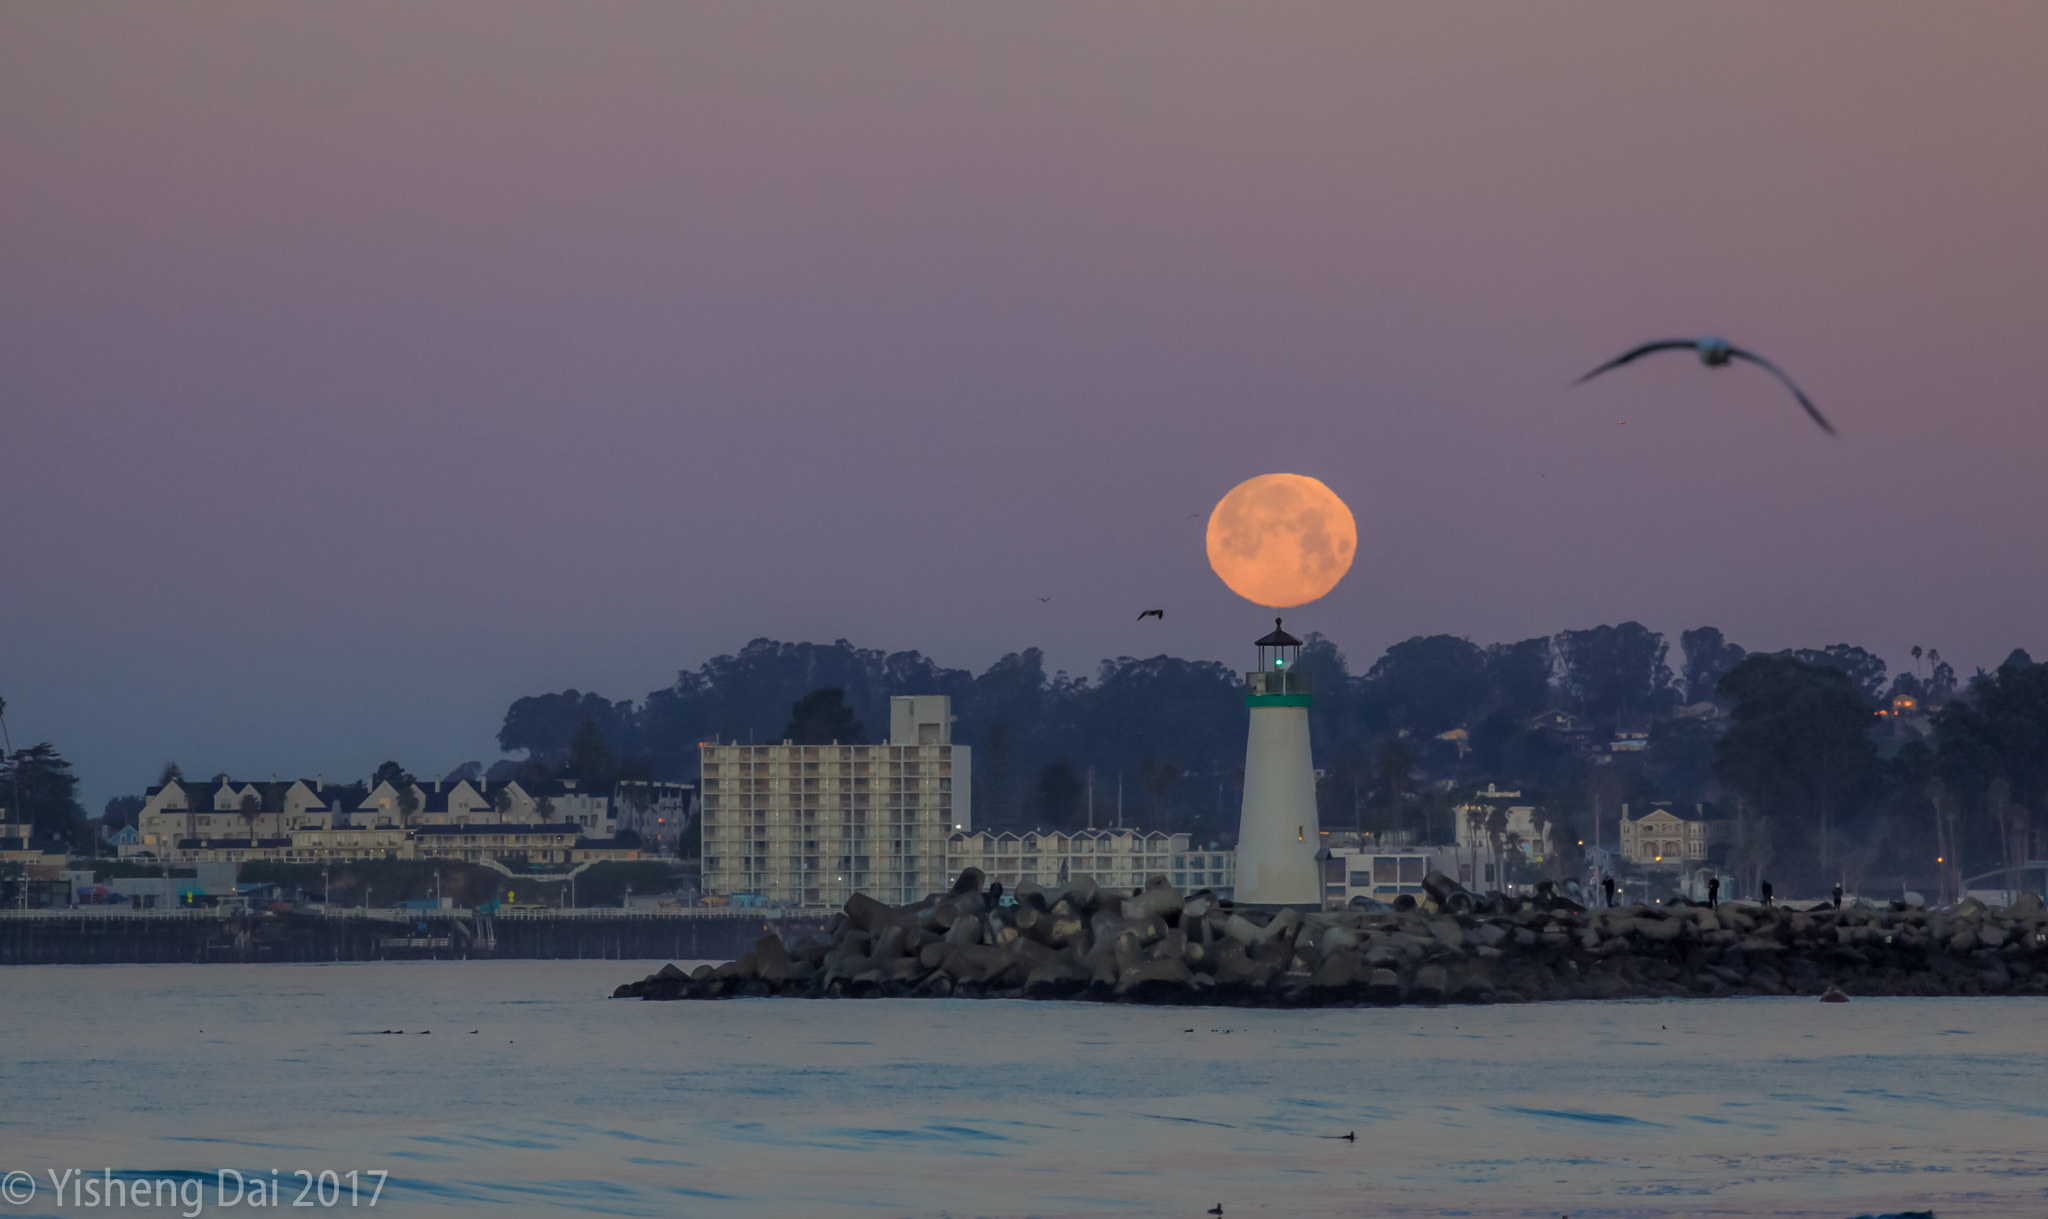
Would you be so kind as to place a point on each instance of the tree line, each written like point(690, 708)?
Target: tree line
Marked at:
point(1795, 750)
point(1789, 747)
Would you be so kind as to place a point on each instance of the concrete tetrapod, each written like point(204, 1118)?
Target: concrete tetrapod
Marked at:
point(1158, 945)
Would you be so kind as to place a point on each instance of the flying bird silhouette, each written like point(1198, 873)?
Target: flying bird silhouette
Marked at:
point(1159, 614)
point(1045, 598)
point(1714, 352)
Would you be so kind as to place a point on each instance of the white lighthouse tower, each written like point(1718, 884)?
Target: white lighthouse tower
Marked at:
point(1277, 834)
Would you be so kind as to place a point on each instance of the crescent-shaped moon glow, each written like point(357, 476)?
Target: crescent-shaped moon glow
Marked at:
point(1281, 539)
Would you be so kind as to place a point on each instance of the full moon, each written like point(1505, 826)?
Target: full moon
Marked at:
point(1281, 539)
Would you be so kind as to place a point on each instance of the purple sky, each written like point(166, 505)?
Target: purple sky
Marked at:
point(365, 366)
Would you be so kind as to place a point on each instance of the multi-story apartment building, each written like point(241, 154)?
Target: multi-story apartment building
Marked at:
point(1116, 859)
point(810, 825)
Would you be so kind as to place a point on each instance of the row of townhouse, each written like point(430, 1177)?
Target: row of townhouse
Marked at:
point(305, 821)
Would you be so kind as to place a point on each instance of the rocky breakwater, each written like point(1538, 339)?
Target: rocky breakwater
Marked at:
point(1156, 945)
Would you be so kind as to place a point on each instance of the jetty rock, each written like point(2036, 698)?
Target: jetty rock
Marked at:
point(1158, 945)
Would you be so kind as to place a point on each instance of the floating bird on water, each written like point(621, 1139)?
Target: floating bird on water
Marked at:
point(1714, 352)
point(1351, 1137)
point(1216, 1209)
point(1159, 614)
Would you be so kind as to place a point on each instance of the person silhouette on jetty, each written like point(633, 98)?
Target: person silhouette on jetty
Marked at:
point(1713, 893)
point(1838, 897)
point(1765, 889)
point(1607, 884)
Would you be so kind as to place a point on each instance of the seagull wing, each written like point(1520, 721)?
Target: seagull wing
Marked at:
point(1645, 349)
point(1779, 373)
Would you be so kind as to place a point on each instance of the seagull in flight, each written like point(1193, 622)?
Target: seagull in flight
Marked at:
point(1159, 614)
point(1714, 352)
point(1045, 598)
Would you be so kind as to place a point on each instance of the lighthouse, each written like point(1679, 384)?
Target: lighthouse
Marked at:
point(1277, 834)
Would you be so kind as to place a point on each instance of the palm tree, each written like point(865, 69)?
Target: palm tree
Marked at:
point(1475, 823)
point(250, 809)
point(1753, 847)
point(2009, 819)
point(7, 740)
point(1540, 820)
point(1949, 869)
point(1496, 833)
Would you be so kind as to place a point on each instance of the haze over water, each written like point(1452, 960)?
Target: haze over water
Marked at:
point(566, 1102)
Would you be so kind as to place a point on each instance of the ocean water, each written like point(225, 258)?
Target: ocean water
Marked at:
point(519, 1088)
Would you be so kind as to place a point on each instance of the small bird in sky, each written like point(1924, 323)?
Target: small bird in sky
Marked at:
point(1713, 352)
point(1159, 614)
point(1042, 599)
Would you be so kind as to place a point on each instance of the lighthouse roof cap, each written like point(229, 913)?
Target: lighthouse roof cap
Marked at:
point(1278, 639)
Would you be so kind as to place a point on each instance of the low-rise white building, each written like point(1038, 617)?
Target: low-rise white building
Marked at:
point(1116, 858)
point(1351, 872)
